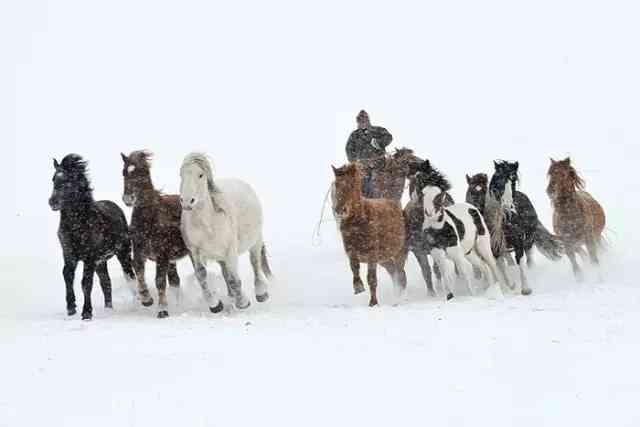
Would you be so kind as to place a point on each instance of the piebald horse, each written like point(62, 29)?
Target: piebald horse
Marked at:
point(221, 220)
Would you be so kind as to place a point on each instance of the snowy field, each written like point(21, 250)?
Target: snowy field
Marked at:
point(270, 90)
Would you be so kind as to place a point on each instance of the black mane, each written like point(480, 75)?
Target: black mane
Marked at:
point(426, 175)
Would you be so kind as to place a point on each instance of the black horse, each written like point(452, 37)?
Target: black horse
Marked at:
point(89, 231)
point(421, 175)
point(512, 219)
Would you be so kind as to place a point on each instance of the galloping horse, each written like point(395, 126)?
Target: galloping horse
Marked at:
point(155, 228)
point(577, 217)
point(221, 220)
point(90, 231)
point(514, 223)
point(373, 231)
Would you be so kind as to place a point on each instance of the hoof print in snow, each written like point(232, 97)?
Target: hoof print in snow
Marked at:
point(217, 309)
point(162, 314)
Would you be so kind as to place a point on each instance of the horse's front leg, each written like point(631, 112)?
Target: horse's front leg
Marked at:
point(372, 281)
point(524, 285)
point(214, 303)
point(143, 290)
point(87, 286)
point(69, 273)
point(162, 267)
point(423, 262)
point(447, 271)
point(234, 284)
point(358, 286)
point(577, 271)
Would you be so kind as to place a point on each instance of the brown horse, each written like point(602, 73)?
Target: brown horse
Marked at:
point(577, 218)
point(390, 174)
point(155, 228)
point(372, 231)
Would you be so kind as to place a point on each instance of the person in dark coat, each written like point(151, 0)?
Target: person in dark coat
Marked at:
point(367, 143)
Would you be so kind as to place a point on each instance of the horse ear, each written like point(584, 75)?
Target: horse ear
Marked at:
point(567, 161)
point(553, 161)
point(56, 165)
point(425, 166)
point(335, 171)
point(495, 164)
point(468, 179)
point(124, 158)
point(516, 165)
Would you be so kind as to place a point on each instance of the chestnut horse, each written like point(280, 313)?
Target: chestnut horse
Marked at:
point(577, 218)
point(372, 231)
point(155, 228)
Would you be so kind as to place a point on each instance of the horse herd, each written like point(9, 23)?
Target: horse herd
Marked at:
point(218, 220)
point(477, 237)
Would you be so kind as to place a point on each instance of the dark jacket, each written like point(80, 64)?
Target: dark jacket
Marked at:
point(359, 144)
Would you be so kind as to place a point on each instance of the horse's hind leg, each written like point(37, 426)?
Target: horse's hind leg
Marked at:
point(372, 281)
point(398, 276)
point(423, 261)
point(172, 275)
point(358, 286)
point(87, 286)
point(234, 284)
point(260, 280)
point(124, 258)
point(105, 283)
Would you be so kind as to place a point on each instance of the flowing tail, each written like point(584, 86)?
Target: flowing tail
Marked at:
point(548, 244)
point(265, 263)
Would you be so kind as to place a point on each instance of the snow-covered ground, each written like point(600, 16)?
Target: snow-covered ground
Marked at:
point(271, 91)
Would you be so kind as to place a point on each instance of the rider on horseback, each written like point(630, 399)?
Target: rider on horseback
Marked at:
point(367, 144)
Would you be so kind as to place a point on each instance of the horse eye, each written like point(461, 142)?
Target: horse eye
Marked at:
point(201, 175)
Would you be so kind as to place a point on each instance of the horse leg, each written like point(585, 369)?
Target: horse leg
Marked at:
point(456, 253)
point(200, 269)
point(531, 262)
point(69, 273)
point(448, 273)
point(234, 284)
point(172, 275)
point(358, 286)
point(423, 261)
point(524, 285)
point(479, 265)
point(143, 290)
point(162, 267)
point(496, 267)
point(87, 286)
point(397, 276)
point(372, 281)
point(105, 283)
point(592, 249)
point(571, 254)
point(260, 280)
point(124, 258)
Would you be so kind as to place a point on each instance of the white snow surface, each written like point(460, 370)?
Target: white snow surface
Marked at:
point(270, 91)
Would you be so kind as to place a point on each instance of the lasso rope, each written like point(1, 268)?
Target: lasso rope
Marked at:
point(316, 238)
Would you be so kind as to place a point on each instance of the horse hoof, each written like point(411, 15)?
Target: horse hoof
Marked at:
point(108, 305)
point(87, 316)
point(148, 303)
point(373, 303)
point(263, 297)
point(162, 314)
point(71, 311)
point(358, 290)
point(526, 291)
point(217, 309)
point(449, 296)
point(243, 307)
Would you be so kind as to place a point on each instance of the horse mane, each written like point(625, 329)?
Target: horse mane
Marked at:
point(74, 165)
point(206, 164)
point(430, 176)
point(141, 159)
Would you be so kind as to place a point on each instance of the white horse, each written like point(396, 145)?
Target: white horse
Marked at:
point(220, 221)
point(458, 232)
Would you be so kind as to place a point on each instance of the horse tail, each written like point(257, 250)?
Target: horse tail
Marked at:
point(548, 244)
point(265, 262)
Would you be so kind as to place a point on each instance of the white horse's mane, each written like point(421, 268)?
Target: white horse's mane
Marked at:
point(206, 164)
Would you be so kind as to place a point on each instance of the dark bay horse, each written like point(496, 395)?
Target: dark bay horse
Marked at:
point(89, 231)
point(391, 172)
point(372, 231)
point(577, 217)
point(155, 228)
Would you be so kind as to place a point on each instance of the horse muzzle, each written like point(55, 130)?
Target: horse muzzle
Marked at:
point(129, 200)
point(55, 204)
